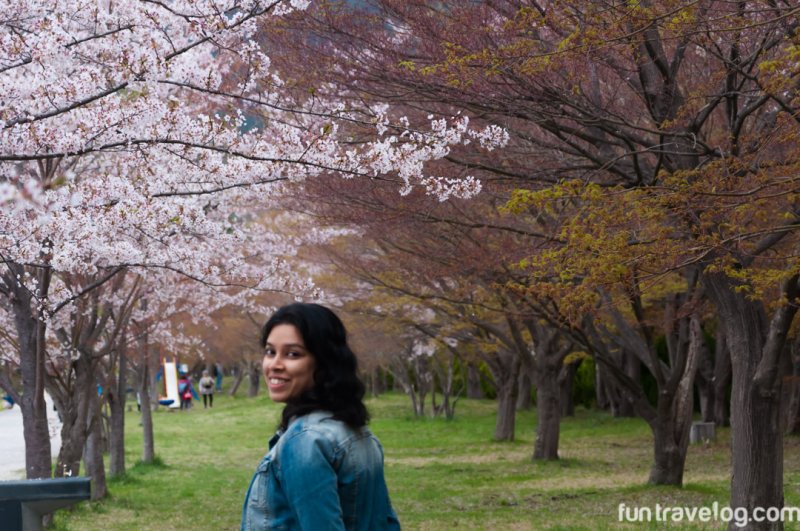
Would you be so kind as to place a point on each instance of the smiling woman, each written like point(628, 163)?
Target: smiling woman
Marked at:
point(288, 366)
point(324, 468)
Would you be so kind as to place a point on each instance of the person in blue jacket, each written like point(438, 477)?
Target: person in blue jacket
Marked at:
point(324, 468)
point(186, 391)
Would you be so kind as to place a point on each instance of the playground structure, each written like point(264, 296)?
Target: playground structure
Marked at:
point(169, 396)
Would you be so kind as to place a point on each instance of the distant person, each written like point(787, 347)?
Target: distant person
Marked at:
point(216, 372)
point(185, 391)
point(207, 390)
point(8, 402)
point(324, 468)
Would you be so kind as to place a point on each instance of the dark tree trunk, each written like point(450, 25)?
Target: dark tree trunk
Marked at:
point(474, 389)
point(254, 379)
point(148, 440)
point(239, 378)
point(116, 440)
point(93, 452)
point(525, 391)
point(633, 368)
point(669, 458)
point(608, 394)
point(548, 412)
point(507, 388)
point(423, 381)
point(35, 428)
point(756, 440)
point(793, 383)
point(601, 388)
point(674, 411)
point(756, 346)
point(787, 388)
point(450, 396)
point(566, 383)
point(705, 386)
point(31, 334)
point(74, 410)
point(378, 386)
point(722, 378)
point(411, 377)
point(417, 404)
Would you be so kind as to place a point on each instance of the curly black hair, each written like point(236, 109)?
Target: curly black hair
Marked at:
point(337, 387)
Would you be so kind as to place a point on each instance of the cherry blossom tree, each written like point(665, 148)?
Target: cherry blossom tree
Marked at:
point(125, 139)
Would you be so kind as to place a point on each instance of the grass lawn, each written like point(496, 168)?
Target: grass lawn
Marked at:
point(441, 474)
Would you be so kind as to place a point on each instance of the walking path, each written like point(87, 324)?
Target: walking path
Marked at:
point(12, 442)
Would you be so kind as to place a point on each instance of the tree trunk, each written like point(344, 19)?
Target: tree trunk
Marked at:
point(418, 409)
point(722, 378)
point(148, 441)
point(507, 389)
point(446, 379)
point(668, 459)
point(705, 386)
point(474, 389)
point(601, 388)
point(756, 435)
point(74, 410)
point(37, 435)
point(254, 379)
point(436, 408)
point(525, 391)
point(756, 442)
point(607, 392)
point(378, 386)
point(566, 383)
point(549, 412)
point(674, 411)
point(31, 334)
point(116, 441)
point(238, 381)
point(451, 396)
point(793, 383)
point(407, 378)
point(93, 451)
point(670, 440)
point(787, 389)
point(633, 368)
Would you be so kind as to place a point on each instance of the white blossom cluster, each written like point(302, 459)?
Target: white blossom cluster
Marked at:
point(423, 347)
point(124, 142)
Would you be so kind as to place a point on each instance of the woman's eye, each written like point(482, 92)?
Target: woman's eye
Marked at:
point(269, 352)
point(293, 354)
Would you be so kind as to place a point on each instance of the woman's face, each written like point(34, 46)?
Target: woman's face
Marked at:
point(288, 366)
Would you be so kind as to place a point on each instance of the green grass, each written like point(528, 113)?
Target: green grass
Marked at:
point(441, 474)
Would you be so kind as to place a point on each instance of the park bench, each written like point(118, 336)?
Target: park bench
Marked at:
point(23, 503)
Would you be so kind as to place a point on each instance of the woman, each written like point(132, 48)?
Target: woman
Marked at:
point(324, 468)
point(207, 390)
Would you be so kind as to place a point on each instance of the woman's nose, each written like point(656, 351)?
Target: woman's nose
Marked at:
point(276, 362)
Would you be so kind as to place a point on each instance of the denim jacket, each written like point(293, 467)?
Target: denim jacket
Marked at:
point(320, 474)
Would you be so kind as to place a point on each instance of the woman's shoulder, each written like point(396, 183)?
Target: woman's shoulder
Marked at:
point(321, 424)
point(314, 422)
point(319, 435)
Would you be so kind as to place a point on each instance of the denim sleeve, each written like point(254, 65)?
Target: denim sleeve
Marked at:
point(310, 481)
